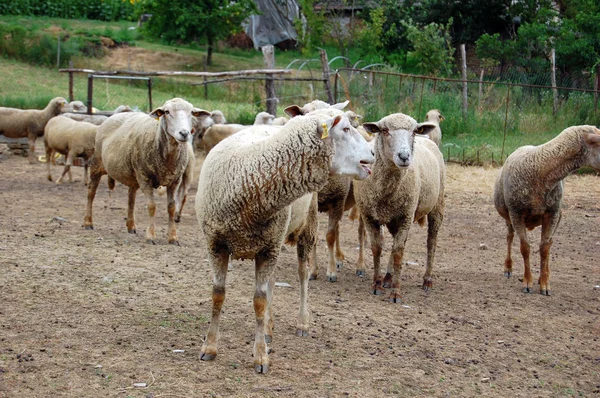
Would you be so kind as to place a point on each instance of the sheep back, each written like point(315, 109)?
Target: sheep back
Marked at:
point(63, 135)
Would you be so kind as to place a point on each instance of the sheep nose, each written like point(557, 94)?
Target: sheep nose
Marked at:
point(403, 157)
point(184, 134)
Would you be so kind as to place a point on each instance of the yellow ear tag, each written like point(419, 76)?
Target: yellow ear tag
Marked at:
point(325, 131)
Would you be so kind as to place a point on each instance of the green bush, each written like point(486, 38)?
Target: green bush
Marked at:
point(103, 10)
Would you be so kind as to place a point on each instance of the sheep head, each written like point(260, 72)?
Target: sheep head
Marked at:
point(591, 140)
point(434, 116)
point(176, 118)
point(296, 110)
point(396, 137)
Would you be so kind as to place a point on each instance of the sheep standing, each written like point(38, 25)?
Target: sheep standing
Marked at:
point(72, 139)
point(407, 185)
point(435, 117)
point(94, 118)
point(30, 123)
point(144, 151)
point(218, 132)
point(529, 188)
point(257, 190)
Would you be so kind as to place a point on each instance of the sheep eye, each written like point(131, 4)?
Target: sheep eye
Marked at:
point(385, 132)
point(167, 113)
point(346, 129)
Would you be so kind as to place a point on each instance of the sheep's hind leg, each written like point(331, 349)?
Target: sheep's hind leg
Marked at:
point(219, 263)
point(67, 169)
point(333, 236)
point(549, 225)
point(49, 153)
point(374, 230)
point(519, 227)
point(265, 263)
point(360, 264)
point(508, 263)
point(434, 222)
point(171, 207)
point(31, 156)
point(130, 210)
point(94, 181)
point(151, 230)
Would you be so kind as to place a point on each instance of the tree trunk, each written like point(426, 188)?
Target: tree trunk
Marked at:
point(209, 51)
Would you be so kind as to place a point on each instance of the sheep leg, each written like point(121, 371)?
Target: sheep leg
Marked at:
point(265, 263)
point(270, 323)
point(360, 266)
point(519, 227)
point(333, 232)
point(49, 154)
point(306, 246)
point(549, 224)
point(171, 206)
point(376, 238)
point(85, 173)
point(508, 263)
point(434, 220)
point(400, 234)
point(314, 269)
point(31, 141)
point(151, 204)
point(219, 263)
point(130, 210)
point(387, 279)
point(67, 169)
point(95, 177)
point(339, 254)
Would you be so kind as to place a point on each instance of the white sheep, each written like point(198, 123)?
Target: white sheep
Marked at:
point(407, 186)
point(145, 151)
point(257, 190)
point(72, 139)
point(529, 189)
point(30, 123)
point(95, 118)
point(218, 132)
point(280, 121)
point(201, 124)
point(295, 110)
point(434, 116)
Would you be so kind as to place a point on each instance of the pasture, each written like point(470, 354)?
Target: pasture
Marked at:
point(92, 313)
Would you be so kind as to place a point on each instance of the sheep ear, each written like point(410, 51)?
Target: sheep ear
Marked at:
point(293, 111)
point(442, 118)
point(592, 140)
point(372, 128)
point(424, 128)
point(340, 105)
point(200, 112)
point(157, 113)
point(336, 120)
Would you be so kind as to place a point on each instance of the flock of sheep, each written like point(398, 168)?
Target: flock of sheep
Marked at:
point(262, 186)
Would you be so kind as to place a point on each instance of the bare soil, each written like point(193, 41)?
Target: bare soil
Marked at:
point(91, 313)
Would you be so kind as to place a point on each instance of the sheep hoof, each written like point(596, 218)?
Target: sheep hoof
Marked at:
point(378, 290)
point(175, 242)
point(339, 264)
point(312, 277)
point(545, 292)
point(132, 231)
point(395, 298)
point(360, 272)
point(427, 284)
point(268, 338)
point(301, 333)
point(89, 227)
point(49, 178)
point(150, 241)
point(332, 278)
point(527, 289)
point(207, 357)
point(387, 280)
point(262, 369)
point(507, 274)
point(177, 218)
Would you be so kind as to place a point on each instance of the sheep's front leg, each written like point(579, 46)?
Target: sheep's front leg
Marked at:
point(265, 263)
point(435, 219)
point(374, 231)
point(31, 141)
point(67, 169)
point(360, 264)
point(171, 206)
point(519, 227)
point(306, 246)
point(549, 225)
point(400, 237)
point(313, 265)
point(335, 215)
point(151, 204)
point(508, 262)
point(219, 262)
point(131, 210)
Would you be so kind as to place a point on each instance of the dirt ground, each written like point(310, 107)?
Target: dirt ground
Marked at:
point(92, 313)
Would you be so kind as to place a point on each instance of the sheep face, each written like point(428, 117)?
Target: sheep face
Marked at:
point(295, 110)
point(355, 119)
point(434, 116)
point(176, 118)
point(264, 118)
point(352, 154)
point(396, 137)
point(592, 141)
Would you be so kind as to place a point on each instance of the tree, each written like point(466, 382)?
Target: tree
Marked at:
point(432, 45)
point(201, 21)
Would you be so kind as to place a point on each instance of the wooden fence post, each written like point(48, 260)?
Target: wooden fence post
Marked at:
point(269, 54)
point(71, 98)
point(465, 88)
point(596, 88)
point(150, 93)
point(553, 80)
point(325, 66)
point(90, 93)
point(205, 66)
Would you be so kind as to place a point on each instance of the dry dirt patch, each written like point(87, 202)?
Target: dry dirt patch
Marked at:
point(90, 313)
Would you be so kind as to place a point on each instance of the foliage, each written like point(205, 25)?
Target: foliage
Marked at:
point(370, 37)
point(314, 28)
point(104, 10)
point(432, 45)
point(199, 21)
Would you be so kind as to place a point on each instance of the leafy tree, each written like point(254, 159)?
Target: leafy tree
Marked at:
point(432, 45)
point(313, 28)
point(201, 21)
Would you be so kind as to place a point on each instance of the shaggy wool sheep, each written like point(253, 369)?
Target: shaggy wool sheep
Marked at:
point(257, 190)
point(72, 139)
point(30, 123)
point(407, 186)
point(95, 118)
point(280, 121)
point(201, 124)
point(296, 110)
point(434, 116)
point(529, 189)
point(145, 151)
point(218, 132)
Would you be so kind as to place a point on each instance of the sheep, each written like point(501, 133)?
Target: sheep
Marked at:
point(95, 118)
point(141, 152)
point(407, 185)
point(30, 123)
point(295, 110)
point(280, 121)
point(256, 190)
point(201, 124)
point(355, 121)
point(72, 139)
point(218, 132)
point(529, 188)
point(75, 106)
point(434, 116)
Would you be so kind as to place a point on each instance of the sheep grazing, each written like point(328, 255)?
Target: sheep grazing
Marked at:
point(72, 139)
point(95, 118)
point(30, 123)
point(145, 151)
point(257, 190)
point(529, 189)
point(407, 185)
point(218, 132)
point(434, 116)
